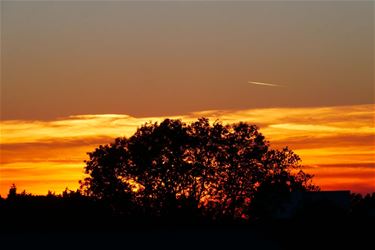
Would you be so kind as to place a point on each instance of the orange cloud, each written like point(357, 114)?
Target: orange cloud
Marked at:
point(48, 155)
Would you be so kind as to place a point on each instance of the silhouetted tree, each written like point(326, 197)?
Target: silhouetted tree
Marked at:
point(198, 168)
point(282, 176)
point(12, 192)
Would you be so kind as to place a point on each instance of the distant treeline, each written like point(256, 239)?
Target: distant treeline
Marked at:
point(74, 211)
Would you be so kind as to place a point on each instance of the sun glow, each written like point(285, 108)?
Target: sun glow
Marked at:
point(336, 144)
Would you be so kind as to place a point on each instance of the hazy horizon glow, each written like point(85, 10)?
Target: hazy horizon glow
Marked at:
point(336, 144)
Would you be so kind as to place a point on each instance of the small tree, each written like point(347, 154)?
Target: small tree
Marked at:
point(12, 192)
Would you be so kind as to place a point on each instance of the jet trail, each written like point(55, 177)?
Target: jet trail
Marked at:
point(265, 84)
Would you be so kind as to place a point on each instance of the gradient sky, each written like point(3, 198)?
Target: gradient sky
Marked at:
point(67, 67)
point(169, 58)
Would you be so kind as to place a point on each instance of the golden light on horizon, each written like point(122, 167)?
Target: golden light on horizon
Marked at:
point(336, 144)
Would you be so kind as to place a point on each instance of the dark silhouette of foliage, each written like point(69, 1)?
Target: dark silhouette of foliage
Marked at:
point(25, 211)
point(213, 170)
point(72, 217)
point(12, 192)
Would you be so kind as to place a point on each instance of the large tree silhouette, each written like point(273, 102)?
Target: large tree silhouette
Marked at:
point(221, 171)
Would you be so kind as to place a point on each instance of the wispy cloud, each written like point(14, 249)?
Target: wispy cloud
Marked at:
point(265, 84)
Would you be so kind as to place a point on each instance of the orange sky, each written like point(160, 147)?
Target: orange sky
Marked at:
point(336, 144)
point(156, 59)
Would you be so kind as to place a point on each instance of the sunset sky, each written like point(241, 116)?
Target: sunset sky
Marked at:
point(78, 74)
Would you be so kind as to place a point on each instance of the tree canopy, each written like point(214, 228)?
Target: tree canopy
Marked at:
point(221, 171)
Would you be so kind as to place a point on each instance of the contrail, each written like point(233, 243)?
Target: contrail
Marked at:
point(265, 84)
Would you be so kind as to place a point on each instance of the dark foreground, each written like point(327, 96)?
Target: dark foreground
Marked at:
point(345, 233)
point(50, 222)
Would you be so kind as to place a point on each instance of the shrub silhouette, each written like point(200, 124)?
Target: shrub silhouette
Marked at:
point(173, 168)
